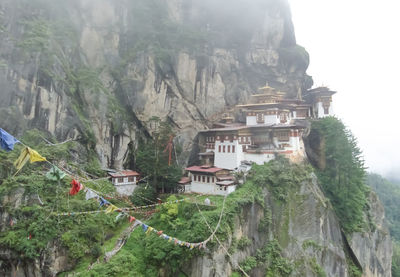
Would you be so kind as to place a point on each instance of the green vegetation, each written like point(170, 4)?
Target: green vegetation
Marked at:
point(280, 176)
point(311, 244)
point(275, 263)
point(270, 256)
point(318, 270)
point(152, 159)
point(32, 226)
point(389, 194)
point(343, 175)
point(88, 237)
point(146, 255)
point(396, 259)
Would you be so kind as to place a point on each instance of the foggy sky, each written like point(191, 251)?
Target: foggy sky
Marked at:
point(354, 49)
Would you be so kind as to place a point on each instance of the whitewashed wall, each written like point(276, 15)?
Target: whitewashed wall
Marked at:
point(125, 189)
point(227, 160)
point(251, 120)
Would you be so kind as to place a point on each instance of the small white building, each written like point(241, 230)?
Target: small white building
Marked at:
point(210, 180)
point(321, 100)
point(125, 181)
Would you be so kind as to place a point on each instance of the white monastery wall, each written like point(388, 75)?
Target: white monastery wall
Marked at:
point(320, 110)
point(251, 120)
point(259, 159)
point(271, 119)
point(125, 189)
point(208, 188)
point(227, 160)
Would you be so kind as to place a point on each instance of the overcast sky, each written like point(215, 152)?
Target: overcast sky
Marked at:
point(354, 48)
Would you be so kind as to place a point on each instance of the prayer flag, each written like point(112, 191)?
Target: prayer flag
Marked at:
point(26, 155)
point(149, 230)
point(7, 141)
point(131, 218)
point(119, 216)
point(103, 202)
point(90, 194)
point(144, 227)
point(55, 174)
point(76, 187)
point(111, 208)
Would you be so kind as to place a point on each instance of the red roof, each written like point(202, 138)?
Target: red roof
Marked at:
point(204, 169)
point(124, 173)
point(184, 180)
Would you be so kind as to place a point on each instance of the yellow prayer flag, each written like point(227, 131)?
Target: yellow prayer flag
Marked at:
point(22, 159)
point(111, 208)
point(35, 156)
point(28, 154)
point(149, 230)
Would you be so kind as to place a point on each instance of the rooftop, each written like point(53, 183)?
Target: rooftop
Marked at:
point(124, 173)
point(204, 169)
point(184, 180)
point(269, 126)
point(225, 183)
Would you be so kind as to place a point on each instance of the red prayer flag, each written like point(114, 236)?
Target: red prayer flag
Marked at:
point(76, 187)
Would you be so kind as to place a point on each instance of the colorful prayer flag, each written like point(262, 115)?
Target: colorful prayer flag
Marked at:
point(90, 194)
point(76, 187)
point(111, 208)
point(7, 141)
point(28, 154)
point(103, 202)
point(55, 174)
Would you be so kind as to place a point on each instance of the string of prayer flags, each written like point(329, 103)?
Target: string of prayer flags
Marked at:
point(55, 174)
point(7, 141)
point(103, 202)
point(76, 187)
point(90, 194)
point(149, 230)
point(111, 208)
point(28, 154)
point(120, 215)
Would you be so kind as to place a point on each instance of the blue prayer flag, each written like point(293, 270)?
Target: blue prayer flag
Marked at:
point(103, 202)
point(7, 141)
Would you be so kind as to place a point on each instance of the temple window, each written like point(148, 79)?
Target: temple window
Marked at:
point(233, 148)
point(260, 118)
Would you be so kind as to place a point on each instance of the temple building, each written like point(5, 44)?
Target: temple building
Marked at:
point(125, 181)
point(271, 125)
point(210, 180)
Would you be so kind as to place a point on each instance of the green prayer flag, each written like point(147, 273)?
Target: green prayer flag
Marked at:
point(55, 174)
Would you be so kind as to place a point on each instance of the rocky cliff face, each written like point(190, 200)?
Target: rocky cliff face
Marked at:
point(310, 236)
point(374, 249)
point(98, 70)
point(100, 73)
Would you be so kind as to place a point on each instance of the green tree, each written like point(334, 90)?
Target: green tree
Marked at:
point(343, 176)
point(152, 158)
